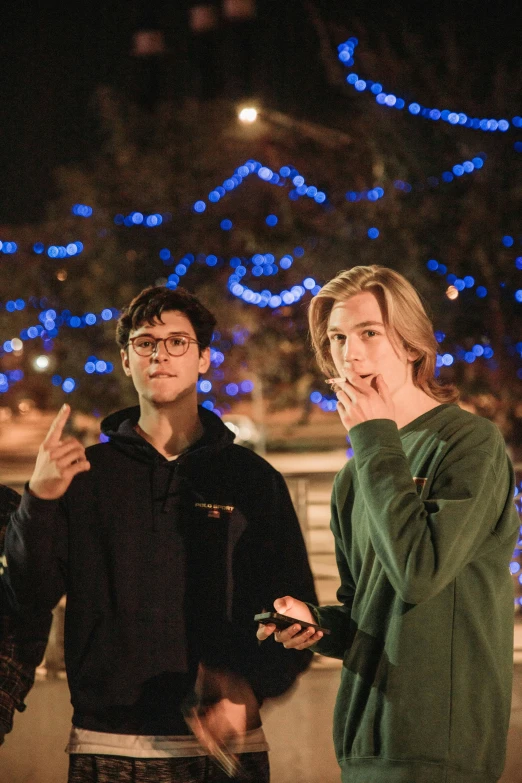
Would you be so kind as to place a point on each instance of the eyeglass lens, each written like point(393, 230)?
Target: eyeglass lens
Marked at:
point(175, 346)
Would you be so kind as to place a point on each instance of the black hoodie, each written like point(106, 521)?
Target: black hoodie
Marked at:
point(164, 564)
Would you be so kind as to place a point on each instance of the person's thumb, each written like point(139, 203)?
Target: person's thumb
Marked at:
point(283, 605)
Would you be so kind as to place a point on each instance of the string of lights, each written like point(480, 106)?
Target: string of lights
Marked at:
point(50, 324)
point(345, 54)
point(53, 251)
point(258, 265)
point(459, 284)
point(457, 171)
point(51, 321)
point(8, 378)
point(8, 248)
point(287, 176)
point(264, 264)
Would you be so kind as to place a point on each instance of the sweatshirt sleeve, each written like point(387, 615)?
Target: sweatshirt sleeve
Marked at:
point(22, 643)
point(22, 647)
point(35, 550)
point(424, 544)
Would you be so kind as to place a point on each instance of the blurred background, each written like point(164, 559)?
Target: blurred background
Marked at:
point(249, 150)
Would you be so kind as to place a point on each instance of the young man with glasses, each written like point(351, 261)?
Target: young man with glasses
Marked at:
point(161, 538)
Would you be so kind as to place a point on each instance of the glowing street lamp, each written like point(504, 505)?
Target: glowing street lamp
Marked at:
point(41, 363)
point(248, 115)
point(328, 137)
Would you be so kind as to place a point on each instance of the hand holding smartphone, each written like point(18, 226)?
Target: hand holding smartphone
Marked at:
point(282, 621)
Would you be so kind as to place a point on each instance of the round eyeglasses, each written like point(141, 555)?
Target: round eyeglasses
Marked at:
point(175, 345)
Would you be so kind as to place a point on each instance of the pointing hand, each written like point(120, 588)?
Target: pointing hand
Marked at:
point(59, 460)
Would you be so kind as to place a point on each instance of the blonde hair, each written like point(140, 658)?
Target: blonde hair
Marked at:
point(403, 314)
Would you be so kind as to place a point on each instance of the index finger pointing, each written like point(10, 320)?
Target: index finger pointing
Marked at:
point(55, 430)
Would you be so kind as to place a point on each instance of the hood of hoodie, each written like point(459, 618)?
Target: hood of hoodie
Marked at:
point(119, 428)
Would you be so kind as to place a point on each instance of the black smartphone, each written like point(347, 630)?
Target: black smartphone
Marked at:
point(282, 621)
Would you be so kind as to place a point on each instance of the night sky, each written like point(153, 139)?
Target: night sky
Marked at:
point(53, 59)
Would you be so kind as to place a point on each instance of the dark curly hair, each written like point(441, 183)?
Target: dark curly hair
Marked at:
point(148, 306)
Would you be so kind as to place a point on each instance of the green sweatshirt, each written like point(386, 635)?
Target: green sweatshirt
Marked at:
point(425, 526)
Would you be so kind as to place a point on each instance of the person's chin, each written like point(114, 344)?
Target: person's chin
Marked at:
point(162, 398)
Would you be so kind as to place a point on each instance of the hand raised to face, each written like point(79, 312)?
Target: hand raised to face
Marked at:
point(59, 460)
point(359, 399)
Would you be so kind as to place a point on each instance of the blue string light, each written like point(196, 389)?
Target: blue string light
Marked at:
point(327, 404)
point(59, 251)
point(53, 251)
point(258, 265)
point(12, 305)
point(69, 385)
point(287, 176)
point(372, 194)
point(466, 282)
point(346, 56)
point(264, 264)
point(51, 322)
point(8, 378)
point(457, 171)
point(82, 210)
point(140, 219)
point(93, 365)
point(8, 248)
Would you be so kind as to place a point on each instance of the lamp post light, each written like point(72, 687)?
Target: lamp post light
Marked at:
point(328, 137)
point(248, 114)
point(42, 363)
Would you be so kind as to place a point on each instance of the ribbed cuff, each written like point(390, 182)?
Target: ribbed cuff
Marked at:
point(31, 504)
point(374, 435)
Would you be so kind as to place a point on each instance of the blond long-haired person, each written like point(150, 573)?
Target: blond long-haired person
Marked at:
point(424, 526)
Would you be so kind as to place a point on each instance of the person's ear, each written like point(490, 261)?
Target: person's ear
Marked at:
point(412, 354)
point(204, 361)
point(124, 353)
